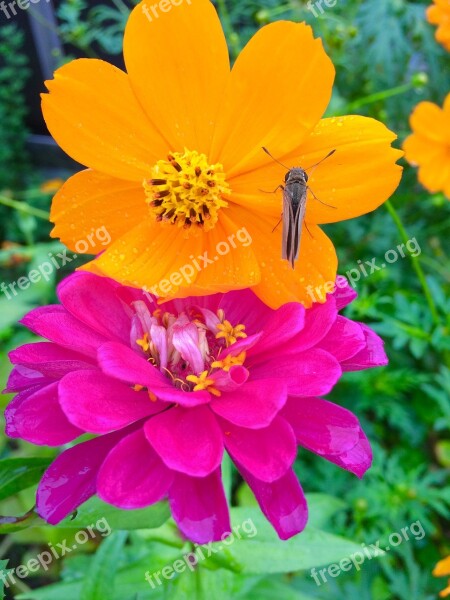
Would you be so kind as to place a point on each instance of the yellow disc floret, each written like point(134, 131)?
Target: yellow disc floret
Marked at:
point(229, 333)
point(203, 382)
point(185, 190)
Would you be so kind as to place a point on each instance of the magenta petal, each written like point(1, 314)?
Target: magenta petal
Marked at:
point(120, 362)
point(133, 475)
point(199, 507)
point(311, 373)
point(281, 326)
point(93, 301)
point(282, 501)
point(242, 345)
point(179, 305)
point(97, 403)
point(344, 340)
point(244, 307)
point(266, 453)
point(188, 440)
point(57, 325)
point(38, 418)
point(343, 294)
point(372, 355)
point(253, 405)
point(22, 378)
point(318, 322)
point(51, 360)
point(229, 381)
point(357, 460)
point(321, 426)
point(70, 479)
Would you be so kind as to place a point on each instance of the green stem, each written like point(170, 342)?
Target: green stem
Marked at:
point(415, 261)
point(23, 207)
point(401, 89)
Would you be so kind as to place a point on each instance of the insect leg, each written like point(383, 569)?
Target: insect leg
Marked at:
point(307, 229)
point(275, 190)
point(316, 198)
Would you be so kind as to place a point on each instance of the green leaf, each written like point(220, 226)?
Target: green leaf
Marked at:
point(95, 511)
point(99, 583)
point(3, 570)
point(260, 551)
point(17, 474)
point(322, 507)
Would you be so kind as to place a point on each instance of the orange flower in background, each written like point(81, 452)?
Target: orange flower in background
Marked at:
point(440, 570)
point(439, 14)
point(429, 145)
point(175, 162)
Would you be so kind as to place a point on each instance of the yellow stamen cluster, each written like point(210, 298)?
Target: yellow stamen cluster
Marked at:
point(229, 361)
point(229, 333)
point(203, 382)
point(185, 190)
point(144, 343)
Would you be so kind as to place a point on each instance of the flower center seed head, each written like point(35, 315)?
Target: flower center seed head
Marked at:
point(187, 191)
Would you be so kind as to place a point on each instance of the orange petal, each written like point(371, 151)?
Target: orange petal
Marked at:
point(94, 116)
point(442, 568)
point(420, 150)
point(178, 64)
point(279, 88)
point(150, 256)
point(360, 176)
point(430, 121)
point(96, 205)
point(235, 265)
point(315, 268)
point(434, 175)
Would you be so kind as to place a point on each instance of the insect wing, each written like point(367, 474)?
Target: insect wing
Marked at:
point(288, 222)
point(297, 227)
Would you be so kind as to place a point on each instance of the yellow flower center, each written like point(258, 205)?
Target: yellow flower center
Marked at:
point(203, 382)
point(185, 190)
point(229, 333)
point(229, 361)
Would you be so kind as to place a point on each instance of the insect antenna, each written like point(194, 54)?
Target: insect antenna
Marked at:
point(321, 161)
point(275, 159)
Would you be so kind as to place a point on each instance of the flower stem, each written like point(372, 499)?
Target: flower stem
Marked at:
point(23, 207)
point(415, 261)
point(401, 89)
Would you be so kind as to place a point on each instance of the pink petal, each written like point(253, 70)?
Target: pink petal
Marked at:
point(133, 475)
point(253, 405)
point(372, 355)
point(179, 305)
point(188, 440)
point(311, 373)
point(120, 362)
point(266, 453)
point(199, 507)
point(242, 345)
point(93, 301)
point(22, 378)
point(38, 418)
point(343, 294)
point(357, 460)
point(70, 479)
point(97, 403)
point(344, 340)
point(51, 360)
point(321, 426)
point(282, 501)
point(186, 341)
point(229, 381)
point(57, 325)
point(282, 325)
point(244, 307)
point(318, 322)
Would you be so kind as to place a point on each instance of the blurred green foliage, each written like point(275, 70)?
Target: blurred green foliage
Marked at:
point(387, 61)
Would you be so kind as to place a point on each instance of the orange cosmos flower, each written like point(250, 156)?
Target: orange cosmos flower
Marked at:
point(174, 150)
point(440, 570)
point(439, 14)
point(429, 145)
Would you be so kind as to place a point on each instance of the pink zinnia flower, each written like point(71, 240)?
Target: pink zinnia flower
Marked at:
point(168, 388)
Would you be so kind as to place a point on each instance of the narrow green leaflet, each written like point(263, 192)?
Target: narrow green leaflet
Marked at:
point(3, 568)
point(17, 474)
